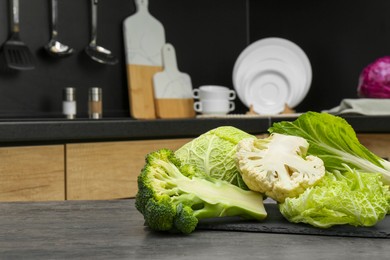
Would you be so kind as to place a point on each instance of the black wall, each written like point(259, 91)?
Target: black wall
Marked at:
point(340, 38)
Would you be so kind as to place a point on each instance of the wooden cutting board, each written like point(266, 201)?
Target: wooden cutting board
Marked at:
point(172, 88)
point(144, 37)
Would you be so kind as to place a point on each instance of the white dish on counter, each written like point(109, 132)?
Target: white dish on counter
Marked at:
point(293, 67)
point(270, 88)
point(269, 72)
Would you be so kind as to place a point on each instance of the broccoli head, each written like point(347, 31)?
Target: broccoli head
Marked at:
point(278, 166)
point(174, 197)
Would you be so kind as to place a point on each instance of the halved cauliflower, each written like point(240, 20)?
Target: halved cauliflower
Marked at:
point(278, 166)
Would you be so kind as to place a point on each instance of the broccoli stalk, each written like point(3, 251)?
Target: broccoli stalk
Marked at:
point(174, 197)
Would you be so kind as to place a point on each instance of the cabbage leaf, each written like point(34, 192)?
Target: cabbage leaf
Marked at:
point(214, 153)
point(334, 140)
point(355, 198)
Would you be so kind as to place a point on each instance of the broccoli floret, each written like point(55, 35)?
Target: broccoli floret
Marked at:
point(278, 166)
point(174, 197)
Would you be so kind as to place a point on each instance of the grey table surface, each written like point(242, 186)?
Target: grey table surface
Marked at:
point(114, 230)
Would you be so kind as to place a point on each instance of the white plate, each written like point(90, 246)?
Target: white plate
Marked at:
point(270, 66)
point(269, 87)
point(267, 46)
point(289, 59)
point(275, 49)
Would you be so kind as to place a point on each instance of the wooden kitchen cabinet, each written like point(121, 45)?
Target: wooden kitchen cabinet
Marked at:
point(377, 143)
point(108, 170)
point(32, 173)
point(82, 171)
point(95, 171)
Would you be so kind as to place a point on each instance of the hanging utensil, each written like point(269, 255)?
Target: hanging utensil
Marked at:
point(16, 53)
point(54, 47)
point(98, 53)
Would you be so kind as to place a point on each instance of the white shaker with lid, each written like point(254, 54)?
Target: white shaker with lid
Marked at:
point(69, 107)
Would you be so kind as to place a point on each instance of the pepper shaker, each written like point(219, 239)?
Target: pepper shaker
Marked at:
point(95, 103)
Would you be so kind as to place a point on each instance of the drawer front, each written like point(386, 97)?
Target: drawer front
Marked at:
point(108, 170)
point(33, 173)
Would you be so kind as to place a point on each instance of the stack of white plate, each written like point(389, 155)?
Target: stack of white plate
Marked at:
point(270, 74)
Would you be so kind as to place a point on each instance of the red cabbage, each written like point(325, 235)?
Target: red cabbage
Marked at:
point(374, 80)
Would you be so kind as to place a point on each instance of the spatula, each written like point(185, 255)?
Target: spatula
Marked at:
point(172, 88)
point(144, 37)
point(16, 53)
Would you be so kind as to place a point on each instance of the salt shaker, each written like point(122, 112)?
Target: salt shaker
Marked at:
point(69, 103)
point(95, 103)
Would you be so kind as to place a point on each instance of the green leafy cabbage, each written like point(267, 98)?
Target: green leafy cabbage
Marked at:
point(333, 140)
point(352, 197)
point(214, 153)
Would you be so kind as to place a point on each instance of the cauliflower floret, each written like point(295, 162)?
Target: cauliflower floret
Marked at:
point(278, 166)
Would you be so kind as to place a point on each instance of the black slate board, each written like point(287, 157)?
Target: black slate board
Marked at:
point(276, 223)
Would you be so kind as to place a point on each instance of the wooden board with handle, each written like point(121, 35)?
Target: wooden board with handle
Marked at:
point(172, 88)
point(144, 37)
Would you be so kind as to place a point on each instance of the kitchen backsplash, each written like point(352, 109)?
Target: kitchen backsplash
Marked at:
point(339, 37)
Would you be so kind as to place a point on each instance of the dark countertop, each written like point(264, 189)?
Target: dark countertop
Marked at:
point(24, 131)
point(114, 230)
